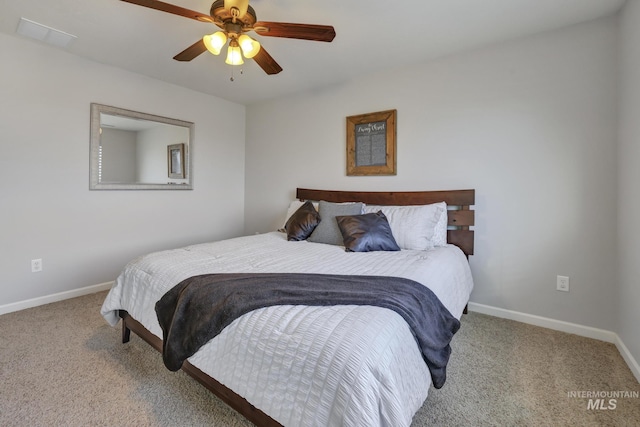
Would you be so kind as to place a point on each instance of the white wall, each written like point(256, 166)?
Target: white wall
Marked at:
point(118, 155)
point(629, 179)
point(46, 209)
point(530, 124)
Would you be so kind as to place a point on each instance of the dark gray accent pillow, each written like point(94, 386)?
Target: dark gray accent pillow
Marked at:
point(302, 223)
point(327, 231)
point(366, 233)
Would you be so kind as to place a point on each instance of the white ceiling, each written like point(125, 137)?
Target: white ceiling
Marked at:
point(371, 35)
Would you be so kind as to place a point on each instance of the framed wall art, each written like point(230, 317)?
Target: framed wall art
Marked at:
point(371, 144)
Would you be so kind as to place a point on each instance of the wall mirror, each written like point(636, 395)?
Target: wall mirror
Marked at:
point(137, 151)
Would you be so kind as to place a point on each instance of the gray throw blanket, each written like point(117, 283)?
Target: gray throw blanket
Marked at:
point(199, 308)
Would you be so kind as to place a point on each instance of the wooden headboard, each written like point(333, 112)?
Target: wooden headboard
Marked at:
point(460, 214)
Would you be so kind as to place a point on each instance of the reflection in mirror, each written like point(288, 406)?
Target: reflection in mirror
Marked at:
point(138, 151)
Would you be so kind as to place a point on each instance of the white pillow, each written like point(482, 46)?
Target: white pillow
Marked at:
point(418, 227)
point(293, 207)
point(440, 230)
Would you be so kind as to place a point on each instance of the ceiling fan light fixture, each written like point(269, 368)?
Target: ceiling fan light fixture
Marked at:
point(249, 46)
point(235, 18)
point(215, 42)
point(234, 54)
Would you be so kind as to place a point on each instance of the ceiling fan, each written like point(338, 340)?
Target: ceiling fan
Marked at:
point(235, 18)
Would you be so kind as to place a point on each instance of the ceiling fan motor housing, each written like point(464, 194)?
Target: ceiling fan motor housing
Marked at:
point(219, 13)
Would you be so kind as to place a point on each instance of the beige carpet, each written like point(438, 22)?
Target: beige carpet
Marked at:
point(62, 365)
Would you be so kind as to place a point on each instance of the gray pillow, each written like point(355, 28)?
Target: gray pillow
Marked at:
point(368, 232)
point(327, 231)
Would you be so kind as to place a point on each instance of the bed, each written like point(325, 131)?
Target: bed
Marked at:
point(297, 365)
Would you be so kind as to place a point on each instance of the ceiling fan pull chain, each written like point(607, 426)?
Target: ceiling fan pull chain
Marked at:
point(241, 72)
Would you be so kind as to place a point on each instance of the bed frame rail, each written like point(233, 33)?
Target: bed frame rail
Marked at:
point(234, 400)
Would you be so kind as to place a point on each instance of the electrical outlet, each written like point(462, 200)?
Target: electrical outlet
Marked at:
point(36, 265)
point(562, 283)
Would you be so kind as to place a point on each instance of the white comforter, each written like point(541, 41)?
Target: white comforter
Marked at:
point(306, 366)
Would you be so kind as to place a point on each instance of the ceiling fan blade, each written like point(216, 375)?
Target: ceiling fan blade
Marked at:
point(191, 52)
point(170, 8)
point(320, 33)
point(266, 62)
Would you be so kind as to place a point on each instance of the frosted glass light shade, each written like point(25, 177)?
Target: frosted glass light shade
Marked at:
point(249, 46)
point(215, 42)
point(234, 55)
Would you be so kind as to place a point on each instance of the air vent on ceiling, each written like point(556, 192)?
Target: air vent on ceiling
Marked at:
point(43, 33)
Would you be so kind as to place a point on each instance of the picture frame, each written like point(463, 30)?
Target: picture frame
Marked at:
point(371, 143)
point(175, 160)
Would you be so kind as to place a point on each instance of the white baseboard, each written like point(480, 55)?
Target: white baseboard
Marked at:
point(545, 322)
point(628, 357)
point(47, 299)
point(559, 325)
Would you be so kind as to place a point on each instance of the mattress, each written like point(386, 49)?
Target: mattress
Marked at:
point(306, 366)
